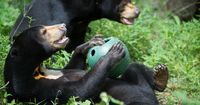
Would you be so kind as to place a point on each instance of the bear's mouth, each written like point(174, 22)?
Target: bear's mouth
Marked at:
point(63, 40)
point(55, 35)
point(127, 21)
point(129, 14)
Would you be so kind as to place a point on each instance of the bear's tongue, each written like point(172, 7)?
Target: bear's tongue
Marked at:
point(128, 21)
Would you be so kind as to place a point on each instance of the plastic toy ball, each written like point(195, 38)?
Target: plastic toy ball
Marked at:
point(96, 52)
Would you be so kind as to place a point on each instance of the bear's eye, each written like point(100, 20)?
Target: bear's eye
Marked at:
point(44, 31)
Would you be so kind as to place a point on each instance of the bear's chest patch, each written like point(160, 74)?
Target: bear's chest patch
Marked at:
point(41, 72)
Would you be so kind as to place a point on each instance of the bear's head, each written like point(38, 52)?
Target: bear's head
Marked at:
point(40, 40)
point(123, 11)
point(28, 51)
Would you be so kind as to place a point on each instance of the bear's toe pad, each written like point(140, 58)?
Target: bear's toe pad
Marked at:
point(160, 76)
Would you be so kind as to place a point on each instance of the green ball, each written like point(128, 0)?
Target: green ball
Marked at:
point(96, 52)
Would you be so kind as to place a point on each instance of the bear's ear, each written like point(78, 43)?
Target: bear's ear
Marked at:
point(14, 52)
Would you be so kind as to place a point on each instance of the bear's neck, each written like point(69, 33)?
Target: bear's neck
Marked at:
point(93, 13)
point(26, 66)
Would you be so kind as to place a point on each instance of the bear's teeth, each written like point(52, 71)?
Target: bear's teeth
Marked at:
point(63, 40)
point(128, 21)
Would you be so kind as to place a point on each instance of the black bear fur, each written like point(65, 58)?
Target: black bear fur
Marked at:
point(29, 81)
point(76, 14)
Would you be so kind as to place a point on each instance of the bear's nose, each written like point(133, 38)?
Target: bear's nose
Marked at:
point(136, 12)
point(63, 27)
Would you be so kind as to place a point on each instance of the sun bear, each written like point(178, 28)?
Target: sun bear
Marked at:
point(76, 14)
point(29, 81)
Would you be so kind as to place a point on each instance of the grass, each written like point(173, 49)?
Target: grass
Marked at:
point(156, 37)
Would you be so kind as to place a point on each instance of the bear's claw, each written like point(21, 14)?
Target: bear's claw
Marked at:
point(116, 53)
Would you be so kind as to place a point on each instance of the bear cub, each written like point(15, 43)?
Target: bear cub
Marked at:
point(28, 80)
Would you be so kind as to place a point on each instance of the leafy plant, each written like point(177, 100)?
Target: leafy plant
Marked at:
point(58, 60)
